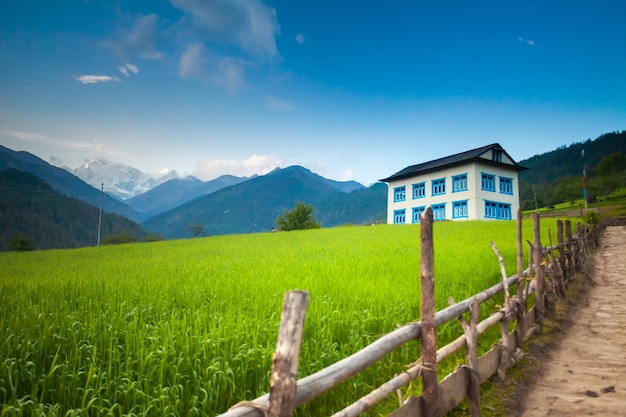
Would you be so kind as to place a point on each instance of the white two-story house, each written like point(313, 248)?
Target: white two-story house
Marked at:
point(480, 184)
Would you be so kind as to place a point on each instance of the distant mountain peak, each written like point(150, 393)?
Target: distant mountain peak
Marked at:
point(121, 181)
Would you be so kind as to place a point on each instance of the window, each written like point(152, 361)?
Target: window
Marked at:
point(419, 190)
point(496, 155)
point(488, 182)
point(459, 183)
point(459, 209)
point(399, 194)
point(439, 212)
point(506, 185)
point(417, 212)
point(439, 186)
point(495, 210)
point(399, 216)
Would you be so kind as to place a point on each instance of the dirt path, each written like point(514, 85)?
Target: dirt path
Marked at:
point(586, 374)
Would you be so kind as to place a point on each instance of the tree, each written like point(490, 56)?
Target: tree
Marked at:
point(300, 218)
point(196, 230)
point(21, 243)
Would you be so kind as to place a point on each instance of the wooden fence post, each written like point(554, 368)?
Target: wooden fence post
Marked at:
point(427, 307)
point(570, 249)
point(285, 366)
point(520, 331)
point(561, 245)
point(539, 284)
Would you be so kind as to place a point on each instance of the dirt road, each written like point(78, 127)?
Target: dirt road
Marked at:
point(586, 374)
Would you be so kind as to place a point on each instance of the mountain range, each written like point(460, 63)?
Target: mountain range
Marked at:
point(169, 207)
point(118, 180)
point(231, 204)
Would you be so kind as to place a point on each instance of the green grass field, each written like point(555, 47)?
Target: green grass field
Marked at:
point(188, 327)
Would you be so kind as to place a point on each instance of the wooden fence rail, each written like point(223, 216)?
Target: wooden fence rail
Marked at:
point(547, 276)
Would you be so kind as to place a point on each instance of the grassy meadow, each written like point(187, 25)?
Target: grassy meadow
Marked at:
point(188, 327)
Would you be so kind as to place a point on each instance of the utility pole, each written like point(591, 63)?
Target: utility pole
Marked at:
point(100, 218)
point(584, 180)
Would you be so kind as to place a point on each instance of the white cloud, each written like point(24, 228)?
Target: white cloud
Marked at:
point(124, 71)
point(138, 39)
point(133, 68)
point(527, 41)
point(198, 62)
point(256, 164)
point(347, 175)
point(248, 24)
point(228, 73)
point(23, 135)
point(192, 60)
point(95, 79)
point(300, 38)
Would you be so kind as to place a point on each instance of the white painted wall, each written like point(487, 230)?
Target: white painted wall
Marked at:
point(474, 195)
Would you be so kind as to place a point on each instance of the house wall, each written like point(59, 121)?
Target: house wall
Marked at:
point(474, 195)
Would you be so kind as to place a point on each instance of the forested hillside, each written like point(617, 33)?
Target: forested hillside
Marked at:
point(30, 208)
point(556, 176)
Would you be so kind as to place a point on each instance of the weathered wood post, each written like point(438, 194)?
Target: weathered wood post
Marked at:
point(285, 366)
point(471, 369)
point(570, 249)
point(427, 307)
point(520, 330)
point(561, 245)
point(539, 284)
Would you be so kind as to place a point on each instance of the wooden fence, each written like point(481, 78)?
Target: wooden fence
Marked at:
point(546, 278)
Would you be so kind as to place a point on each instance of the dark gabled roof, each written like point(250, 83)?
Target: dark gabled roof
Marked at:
point(453, 160)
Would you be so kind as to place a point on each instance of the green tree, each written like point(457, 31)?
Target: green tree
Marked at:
point(300, 218)
point(119, 238)
point(21, 243)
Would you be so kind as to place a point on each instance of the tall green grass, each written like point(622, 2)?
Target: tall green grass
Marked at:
point(188, 328)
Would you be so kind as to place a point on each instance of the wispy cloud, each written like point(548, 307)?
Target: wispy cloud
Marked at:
point(192, 60)
point(95, 79)
point(247, 24)
point(94, 146)
point(197, 62)
point(256, 164)
point(300, 38)
point(128, 67)
point(526, 41)
point(137, 38)
point(23, 135)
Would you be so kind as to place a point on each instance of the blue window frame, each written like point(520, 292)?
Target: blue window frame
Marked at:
point(494, 210)
point(459, 183)
point(439, 186)
point(488, 182)
point(417, 212)
point(439, 212)
point(419, 190)
point(399, 216)
point(506, 185)
point(399, 194)
point(459, 209)
point(496, 155)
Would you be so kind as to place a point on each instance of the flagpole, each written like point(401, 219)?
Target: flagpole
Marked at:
point(584, 180)
point(100, 218)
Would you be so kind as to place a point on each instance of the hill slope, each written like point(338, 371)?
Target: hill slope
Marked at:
point(63, 182)
point(253, 205)
point(178, 191)
point(29, 206)
point(556, 176)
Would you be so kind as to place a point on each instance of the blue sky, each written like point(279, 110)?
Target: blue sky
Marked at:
point(349, 89)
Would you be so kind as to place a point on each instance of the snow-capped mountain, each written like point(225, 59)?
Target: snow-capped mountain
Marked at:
point(121, 181)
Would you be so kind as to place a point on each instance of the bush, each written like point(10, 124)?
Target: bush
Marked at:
point(21, 243)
